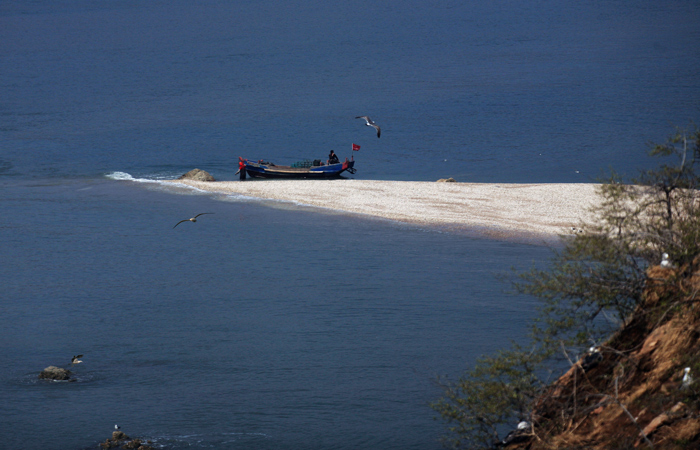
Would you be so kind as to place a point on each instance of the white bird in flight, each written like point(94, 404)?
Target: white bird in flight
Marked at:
point(192, 219)
point(370, 123)
point(76, 359)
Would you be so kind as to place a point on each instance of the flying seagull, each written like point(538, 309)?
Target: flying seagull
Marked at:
point(370, 123)
point(116, 427)
point(76, 359)
point(193, 219)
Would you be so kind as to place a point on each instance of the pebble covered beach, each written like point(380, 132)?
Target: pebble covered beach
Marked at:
point(496, 210)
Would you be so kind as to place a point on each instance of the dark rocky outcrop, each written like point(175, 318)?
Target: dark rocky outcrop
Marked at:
point(446, 180)
point(197, 175)
point(55, 373)
point(121, 440)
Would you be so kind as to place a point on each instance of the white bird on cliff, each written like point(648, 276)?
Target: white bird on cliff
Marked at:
point(591, 359)
point(192, 219)
point(687, 379)
point(76, 359)
point(370, 123)
point(665, 262)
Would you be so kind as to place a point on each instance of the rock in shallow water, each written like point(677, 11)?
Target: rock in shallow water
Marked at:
point(55, 373)
point(197, 175)
point(121, 440)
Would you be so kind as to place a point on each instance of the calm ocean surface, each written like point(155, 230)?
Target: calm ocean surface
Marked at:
point(269, 325)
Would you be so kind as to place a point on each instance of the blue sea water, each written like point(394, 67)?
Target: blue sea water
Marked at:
point(275, 326)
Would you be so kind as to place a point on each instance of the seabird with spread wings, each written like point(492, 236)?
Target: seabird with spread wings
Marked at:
point(370, 123)
point(193, 219)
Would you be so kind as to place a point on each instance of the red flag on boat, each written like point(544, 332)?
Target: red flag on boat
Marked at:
point(356, 147)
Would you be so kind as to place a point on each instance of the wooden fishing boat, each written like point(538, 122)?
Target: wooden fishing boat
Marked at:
point(303, 169)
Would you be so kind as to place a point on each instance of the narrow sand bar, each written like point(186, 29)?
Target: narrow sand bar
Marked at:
point(495, 210)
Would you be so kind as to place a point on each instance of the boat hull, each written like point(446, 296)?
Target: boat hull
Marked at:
point(263, 170)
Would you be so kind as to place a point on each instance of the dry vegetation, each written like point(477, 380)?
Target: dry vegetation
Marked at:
point(634, 398)
point(628, 288)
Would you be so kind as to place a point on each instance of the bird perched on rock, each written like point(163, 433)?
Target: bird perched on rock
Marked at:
point(524, 425)
point(687, 379)
point(521, 434)
point(76, 359)
point(192, 219)
point(665, 261)
point(592, 359)
point(370, 123)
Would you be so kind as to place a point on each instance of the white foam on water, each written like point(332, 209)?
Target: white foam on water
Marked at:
point(159, 181)
point(123, 176)
point(198, 440)
point(166, 181)
point(183, 186)
point(154, 178)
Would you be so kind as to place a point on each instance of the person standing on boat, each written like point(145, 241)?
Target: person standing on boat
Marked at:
point(333, 158)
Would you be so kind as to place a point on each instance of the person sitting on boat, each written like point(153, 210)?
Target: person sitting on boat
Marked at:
point(333, 158)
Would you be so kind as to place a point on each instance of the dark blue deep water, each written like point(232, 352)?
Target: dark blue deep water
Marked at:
point(269, 326)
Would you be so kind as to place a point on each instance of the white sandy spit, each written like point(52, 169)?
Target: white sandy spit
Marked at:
point(490, 209)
